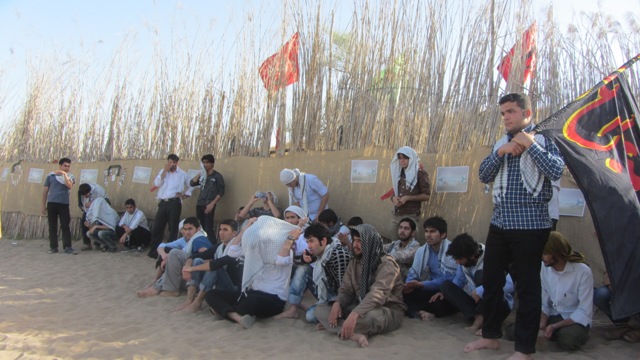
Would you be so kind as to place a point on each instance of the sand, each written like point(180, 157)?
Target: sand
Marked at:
point(84, 307)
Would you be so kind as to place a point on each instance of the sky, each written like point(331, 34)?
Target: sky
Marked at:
point(86, 32)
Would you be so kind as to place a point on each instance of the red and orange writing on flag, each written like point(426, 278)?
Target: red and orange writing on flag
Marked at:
point(528, 55)
point(281, 69)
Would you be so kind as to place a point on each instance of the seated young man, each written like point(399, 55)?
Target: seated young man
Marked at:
point(88, 193)
point(195, 240)
point(465, 291)
point(404, 248)
point(369, 300)
point(101, 222)
point(214, 268)
point(267, 269)
point(621, 328)
point(328, 269)
point(567, 294)
point(269, 206)
point(133, 228)
point(431, 268)
point(337, 229)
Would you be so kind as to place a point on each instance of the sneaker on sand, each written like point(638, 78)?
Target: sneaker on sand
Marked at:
point(70, 251)
point(53, 251)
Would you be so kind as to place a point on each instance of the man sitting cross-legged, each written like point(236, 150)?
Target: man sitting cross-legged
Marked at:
point(195, 240)
point(328, 269)
point(431, 268)
point(101, 222)
point(465, 291)
point(219, 268)
point(266, 243)
point(370, 298)
point(404, 249)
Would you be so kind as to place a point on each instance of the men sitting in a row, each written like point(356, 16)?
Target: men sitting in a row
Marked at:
point(133, 229)
point(404, 249)
point(431, 268)
point(269, 206)
point(369, 300)
point(174, 255)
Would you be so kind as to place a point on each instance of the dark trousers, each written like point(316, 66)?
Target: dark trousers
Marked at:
point(463, 301)
point(60, 211)
point(206, 221)
point(84, 229)
point(138, 237)
point(168, 214)
point(418, 300)
point(257, 303)
point(518, 252)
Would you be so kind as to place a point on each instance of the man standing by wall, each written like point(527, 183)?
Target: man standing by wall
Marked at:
point(211, 191)
point(521, 167)
point(306, 191)
point(55, 204)
point(410, 186)
point(173, 186)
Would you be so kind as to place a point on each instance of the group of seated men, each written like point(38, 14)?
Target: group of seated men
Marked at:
point(360, 286)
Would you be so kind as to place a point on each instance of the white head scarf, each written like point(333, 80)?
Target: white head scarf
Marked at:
point(410, 173)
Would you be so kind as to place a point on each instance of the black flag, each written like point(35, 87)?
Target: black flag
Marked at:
point(598, 136)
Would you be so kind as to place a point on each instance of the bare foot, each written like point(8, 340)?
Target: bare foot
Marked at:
point(492, 344)
point(320, 327)
point(478, 333)
point(193, 307)
point(147, 292)
point(182, 306)
point(290, 313)
point(169, 293)
point(520, 356)
point(361, 339)
point(426, 316)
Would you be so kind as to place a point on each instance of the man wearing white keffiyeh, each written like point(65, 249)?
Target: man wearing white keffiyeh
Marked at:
point(306, 191)
point(370, 297)
point(410, 186)
point(431, 268)
point(521, 166)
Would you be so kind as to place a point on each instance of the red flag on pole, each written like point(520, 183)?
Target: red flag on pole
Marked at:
point(528, 54)
point(281, 68)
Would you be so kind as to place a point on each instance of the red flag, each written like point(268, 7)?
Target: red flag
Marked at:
point(281, 68)
point(528, 54)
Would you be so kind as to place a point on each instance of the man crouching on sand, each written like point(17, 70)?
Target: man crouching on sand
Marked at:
point(370, 303)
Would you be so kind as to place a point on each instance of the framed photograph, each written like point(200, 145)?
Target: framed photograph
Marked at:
point(571, 202)
point(141, 175)
point(364, 171)
point(35, 175)
point(452, 179)
point(89, 176)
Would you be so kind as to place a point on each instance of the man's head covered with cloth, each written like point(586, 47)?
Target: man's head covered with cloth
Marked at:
point(367, 246)
point(558, 247)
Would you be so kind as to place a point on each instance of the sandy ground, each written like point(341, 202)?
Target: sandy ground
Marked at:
point(84, 307)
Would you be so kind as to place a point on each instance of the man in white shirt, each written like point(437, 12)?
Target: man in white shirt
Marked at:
point(133, 230)
point(88, 193)
point(567, 294)
point(173, 186)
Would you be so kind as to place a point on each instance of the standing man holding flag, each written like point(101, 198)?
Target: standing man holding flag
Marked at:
point(521, 167)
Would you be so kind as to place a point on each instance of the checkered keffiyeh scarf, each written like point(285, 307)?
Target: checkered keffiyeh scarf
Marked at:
point(371, 252)
point(410, 173)
point(532, 178)
point(261, 243)
point(329, 270)
point(447, 263)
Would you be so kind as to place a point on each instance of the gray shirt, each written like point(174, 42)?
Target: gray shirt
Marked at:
point(58, 192)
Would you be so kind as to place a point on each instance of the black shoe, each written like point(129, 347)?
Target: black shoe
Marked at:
point(70, 251)
point(53, 251)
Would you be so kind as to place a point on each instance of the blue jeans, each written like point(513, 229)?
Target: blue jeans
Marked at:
point(602, 300)
point(310, 315)
point(206, 280)
point(301, 280)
